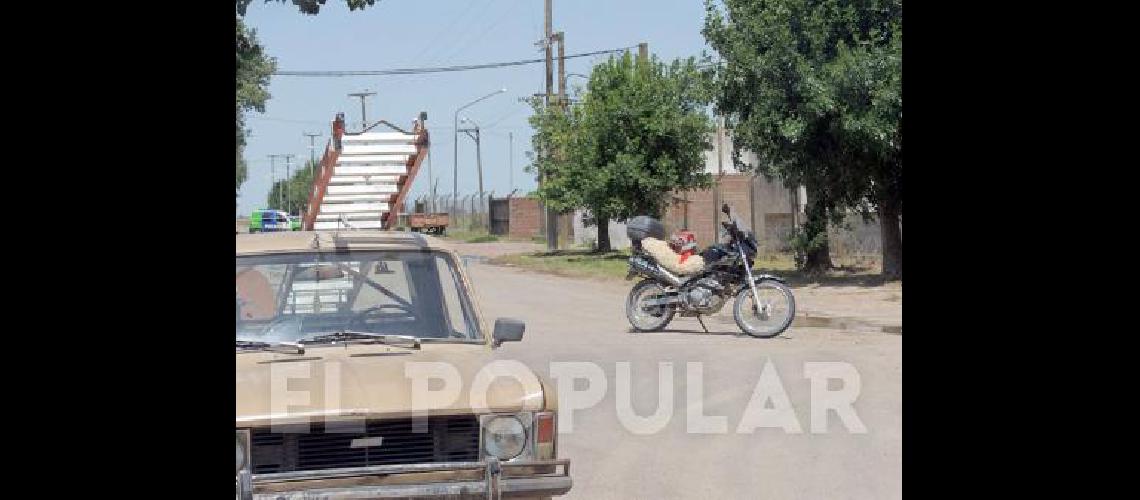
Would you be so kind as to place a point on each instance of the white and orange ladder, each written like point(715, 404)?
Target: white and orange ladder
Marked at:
point(364, 177)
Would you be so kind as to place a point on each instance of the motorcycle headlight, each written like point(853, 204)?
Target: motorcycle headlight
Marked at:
point(242, 450)
point(504, 436)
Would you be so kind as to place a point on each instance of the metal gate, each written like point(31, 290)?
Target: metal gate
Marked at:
point(500, 215)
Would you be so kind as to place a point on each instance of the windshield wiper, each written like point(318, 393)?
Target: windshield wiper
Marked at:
point(282, 347)
point(364, 337)
point(451, 340)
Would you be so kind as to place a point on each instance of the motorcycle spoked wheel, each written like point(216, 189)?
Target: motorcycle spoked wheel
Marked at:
point(775, 314)
point(648, 318)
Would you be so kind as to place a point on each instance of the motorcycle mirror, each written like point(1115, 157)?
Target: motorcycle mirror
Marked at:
point(724, 208)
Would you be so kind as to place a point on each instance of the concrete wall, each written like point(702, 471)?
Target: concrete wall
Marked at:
point(588, 235)
point(725, 154)
point(859, 239)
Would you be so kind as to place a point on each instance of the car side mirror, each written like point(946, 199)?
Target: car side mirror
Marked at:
point(507, 330)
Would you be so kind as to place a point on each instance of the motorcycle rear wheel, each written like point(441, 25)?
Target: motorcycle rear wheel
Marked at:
point(647, 318)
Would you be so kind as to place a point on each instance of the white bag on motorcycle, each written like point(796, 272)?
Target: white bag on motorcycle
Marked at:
point(670, 260)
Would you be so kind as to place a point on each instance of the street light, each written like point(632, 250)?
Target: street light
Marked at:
point(455, 140)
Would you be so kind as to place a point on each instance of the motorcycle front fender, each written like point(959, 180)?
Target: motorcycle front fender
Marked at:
point(757, 278)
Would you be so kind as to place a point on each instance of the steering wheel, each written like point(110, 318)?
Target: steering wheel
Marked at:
point(362, 316)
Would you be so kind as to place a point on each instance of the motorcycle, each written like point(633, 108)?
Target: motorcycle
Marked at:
point(764, 305)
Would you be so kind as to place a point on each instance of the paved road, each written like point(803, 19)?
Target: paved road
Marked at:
point(580, 320)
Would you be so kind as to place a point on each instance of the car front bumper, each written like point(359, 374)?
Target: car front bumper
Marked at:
point(487, 479)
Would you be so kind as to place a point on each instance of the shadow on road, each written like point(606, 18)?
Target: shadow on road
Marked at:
point(687, 331)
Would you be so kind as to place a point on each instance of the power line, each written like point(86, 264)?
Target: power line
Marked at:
point(433, 47)
point(285, 120)
point(467, 44)
point(441, 69)
point(462, 32)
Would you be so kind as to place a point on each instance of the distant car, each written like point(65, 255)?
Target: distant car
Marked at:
point(268, 220)
point(360, 308)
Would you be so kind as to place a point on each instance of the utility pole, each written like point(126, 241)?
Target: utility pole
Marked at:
point(288, 176)
point(431, 183)
point(560, 37)
point(478, 153)
point(511, 164)
point(479, 166)
point(565, 221)
point(273, 173)
point(551, 217)
point(363, 117)
point(719, 171)
point(312, 146)
point(549, 54)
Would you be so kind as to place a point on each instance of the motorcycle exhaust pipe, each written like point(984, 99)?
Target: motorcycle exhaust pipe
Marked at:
point(654, 271)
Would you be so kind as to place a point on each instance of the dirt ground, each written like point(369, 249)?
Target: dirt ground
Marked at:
point(575, 320)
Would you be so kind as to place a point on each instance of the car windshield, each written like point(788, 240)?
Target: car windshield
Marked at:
point(298, 296)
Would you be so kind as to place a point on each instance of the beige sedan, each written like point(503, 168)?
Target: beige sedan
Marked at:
point(364, 371)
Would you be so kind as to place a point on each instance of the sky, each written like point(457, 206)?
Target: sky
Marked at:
point(426, 33)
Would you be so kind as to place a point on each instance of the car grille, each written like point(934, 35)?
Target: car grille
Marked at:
point(447, 439)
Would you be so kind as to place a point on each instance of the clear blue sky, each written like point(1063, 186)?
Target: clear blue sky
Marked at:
point(406, 33)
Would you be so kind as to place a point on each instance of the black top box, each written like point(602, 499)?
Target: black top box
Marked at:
point(644, 226)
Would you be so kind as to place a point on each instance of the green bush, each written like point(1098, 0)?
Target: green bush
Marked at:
point(802, 243)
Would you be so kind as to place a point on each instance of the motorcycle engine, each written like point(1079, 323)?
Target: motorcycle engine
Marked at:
point(704, 297)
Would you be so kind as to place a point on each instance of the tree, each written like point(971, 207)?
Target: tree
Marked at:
point(637, 134)
point(813, 88)
point(310, 7)
point(254, 68)
point(297, 189)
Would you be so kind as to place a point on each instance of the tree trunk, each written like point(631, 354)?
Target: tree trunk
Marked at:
point(891, 235)
point(818, 259)
point(603, 234)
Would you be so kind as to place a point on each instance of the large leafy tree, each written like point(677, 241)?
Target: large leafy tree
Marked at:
point(637, 134)
point(255, 66)
point(813, 87)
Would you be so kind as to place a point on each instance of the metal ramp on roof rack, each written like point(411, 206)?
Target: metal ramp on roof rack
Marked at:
point(364, 177)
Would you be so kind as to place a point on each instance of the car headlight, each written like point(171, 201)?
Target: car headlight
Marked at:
point(504, 436)
point(242, 450)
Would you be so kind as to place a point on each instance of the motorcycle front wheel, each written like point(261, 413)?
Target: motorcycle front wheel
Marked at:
point(647, 318)
point(774, 313)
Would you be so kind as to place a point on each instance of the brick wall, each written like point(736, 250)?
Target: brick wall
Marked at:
point(526, 218)
point(764, 206)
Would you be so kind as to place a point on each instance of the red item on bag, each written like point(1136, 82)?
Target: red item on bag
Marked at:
point(684, 243)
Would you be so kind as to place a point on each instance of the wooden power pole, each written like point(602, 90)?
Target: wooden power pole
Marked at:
point(551, 217)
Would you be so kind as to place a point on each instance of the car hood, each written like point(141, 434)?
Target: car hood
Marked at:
point(354, 381)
